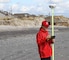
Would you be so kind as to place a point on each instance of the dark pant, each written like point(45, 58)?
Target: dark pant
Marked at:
point(49, 58)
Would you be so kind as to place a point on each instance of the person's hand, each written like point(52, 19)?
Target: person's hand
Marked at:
point(53, 40)
point(48, 37)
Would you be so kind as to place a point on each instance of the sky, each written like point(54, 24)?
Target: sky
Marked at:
point(38, 7)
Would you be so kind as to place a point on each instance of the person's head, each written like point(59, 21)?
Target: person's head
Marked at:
point(45, 24)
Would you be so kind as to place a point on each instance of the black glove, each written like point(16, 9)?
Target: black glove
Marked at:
point(52, 37)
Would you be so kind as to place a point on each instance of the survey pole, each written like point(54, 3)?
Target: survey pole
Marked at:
point(52, 6)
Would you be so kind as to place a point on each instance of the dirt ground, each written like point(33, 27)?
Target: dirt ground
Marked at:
point(21, 44)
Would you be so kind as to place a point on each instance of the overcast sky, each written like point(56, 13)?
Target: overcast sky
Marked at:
point(35, 6)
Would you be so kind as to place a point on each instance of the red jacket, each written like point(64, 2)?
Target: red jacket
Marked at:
point(44, 47)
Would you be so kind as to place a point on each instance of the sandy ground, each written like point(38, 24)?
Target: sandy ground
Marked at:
point(20, 44)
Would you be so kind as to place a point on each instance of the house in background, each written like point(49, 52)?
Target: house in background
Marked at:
point(5, 15)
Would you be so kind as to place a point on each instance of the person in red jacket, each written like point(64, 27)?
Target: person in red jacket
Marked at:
point(44, 41)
